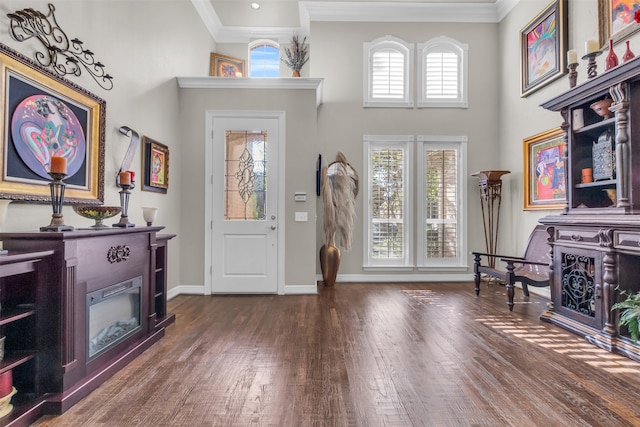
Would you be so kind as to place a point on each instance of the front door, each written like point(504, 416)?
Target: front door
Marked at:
point(244, 234)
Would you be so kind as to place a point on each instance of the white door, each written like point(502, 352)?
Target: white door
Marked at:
point(244, 244)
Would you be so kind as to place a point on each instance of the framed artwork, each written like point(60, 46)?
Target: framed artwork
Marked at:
point(543, 48)
point(226, 66)
point(44, 115)
point(616, 20)
point(155, 166)
point(544, 170)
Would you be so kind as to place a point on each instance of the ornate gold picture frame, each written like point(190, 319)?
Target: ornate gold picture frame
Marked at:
point(44, 115)
point(545, 184)
point(226, 66)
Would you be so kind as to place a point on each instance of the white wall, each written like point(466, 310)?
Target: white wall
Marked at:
point(144, 44)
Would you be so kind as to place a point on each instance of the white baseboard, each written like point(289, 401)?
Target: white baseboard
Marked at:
point(399, 278)
point(300, 289)
point(350, 278)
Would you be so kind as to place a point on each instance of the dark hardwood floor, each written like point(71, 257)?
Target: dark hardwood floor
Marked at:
point(365, 355)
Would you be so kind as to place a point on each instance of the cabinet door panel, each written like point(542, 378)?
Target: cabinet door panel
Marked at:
point(578, 294)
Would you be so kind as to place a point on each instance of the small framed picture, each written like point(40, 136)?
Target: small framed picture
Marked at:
point(543, 48)
point(544, 170)
point(226, 66)
point(155, 166)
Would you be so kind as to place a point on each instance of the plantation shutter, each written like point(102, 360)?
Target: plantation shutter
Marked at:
point(441, 203)
point(441, 75)
point(387, 203)
point(387, 74)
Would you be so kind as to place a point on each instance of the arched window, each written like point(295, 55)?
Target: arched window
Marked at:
point(264, 58)
point(443, 73)
point(388, 65)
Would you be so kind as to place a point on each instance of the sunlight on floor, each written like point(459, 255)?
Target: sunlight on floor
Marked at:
point(563, 343)
point(541, 335)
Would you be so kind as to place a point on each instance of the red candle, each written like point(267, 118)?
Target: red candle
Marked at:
point(125, 178)
point(58, 164)
point(133, 175)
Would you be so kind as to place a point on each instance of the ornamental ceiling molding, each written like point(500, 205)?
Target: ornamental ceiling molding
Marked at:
point(338, 11)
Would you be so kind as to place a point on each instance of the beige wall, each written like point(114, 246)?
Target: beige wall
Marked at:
point(300, 159)
point(144, 47)
point(337, 57)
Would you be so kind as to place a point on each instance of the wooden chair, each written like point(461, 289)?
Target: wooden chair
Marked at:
point(532, 269)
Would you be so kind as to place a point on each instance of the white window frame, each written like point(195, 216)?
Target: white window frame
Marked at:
point(461, 50)
point(260, 42)
point(404, 142)
point(407, 50)
point(458, 143)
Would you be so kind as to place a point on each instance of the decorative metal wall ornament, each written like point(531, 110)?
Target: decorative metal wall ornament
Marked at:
point(62, 55)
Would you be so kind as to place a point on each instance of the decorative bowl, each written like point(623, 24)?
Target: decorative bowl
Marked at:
point(97, 213)
point(601, 107)
point(5, 406)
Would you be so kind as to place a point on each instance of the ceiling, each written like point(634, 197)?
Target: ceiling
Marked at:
point(234, 21)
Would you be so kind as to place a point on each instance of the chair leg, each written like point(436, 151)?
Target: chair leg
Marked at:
point(525, 289)
point(476, 273)
point(510, 294)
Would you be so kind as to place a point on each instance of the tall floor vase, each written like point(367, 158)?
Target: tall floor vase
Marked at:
point(329, 264)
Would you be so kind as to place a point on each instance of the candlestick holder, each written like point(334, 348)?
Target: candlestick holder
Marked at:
point(57, 187)
point(591, 64)
point(573, 74)
point(124, 202)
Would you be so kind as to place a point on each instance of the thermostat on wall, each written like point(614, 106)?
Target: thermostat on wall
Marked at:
point(300, 197)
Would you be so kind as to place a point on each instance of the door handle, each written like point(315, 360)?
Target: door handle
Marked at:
point(273, 227)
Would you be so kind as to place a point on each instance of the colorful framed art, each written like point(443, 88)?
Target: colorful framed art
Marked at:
point(45, 115)
point(543, 47)
point(155, 166)
point(226, 66)
point(616, 20)
point(544, 170)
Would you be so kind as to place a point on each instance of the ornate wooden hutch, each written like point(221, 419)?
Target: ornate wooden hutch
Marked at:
point(596, 239)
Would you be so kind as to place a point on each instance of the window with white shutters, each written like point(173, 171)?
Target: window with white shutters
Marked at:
point(388, 73)
point(388, 226)
point(437, 206)
point(441, 191)
point(443, 73)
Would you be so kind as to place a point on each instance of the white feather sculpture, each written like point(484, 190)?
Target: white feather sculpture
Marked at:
point(339, 191)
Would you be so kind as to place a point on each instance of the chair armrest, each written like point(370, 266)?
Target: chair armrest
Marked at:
point(519, 260)
point(497, 255)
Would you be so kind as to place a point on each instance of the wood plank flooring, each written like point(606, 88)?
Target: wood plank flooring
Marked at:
point(365, 355)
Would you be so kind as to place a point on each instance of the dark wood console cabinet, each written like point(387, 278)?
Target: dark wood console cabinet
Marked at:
point(596, 239)
point(98, 300)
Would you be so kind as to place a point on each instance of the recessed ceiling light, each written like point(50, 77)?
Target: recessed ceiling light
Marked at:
point(255, 6)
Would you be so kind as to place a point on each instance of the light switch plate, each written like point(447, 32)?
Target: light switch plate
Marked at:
point(301, 216)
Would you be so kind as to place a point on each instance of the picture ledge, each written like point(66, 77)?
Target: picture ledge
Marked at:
point(253, 83)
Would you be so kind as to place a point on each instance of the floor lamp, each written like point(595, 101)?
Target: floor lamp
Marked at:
point(490, 183)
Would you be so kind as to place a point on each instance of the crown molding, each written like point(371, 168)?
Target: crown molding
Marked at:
point(338, 11)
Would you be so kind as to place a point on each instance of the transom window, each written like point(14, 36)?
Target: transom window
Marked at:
point(443, 73)
point(388, 73)
point(264, 58)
